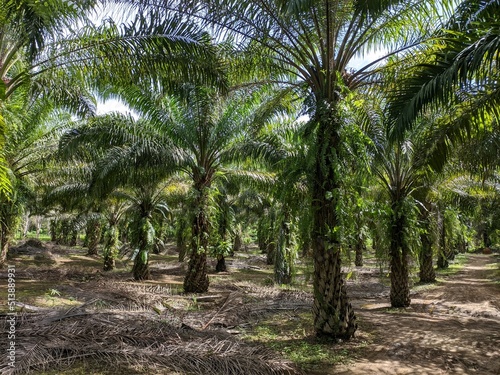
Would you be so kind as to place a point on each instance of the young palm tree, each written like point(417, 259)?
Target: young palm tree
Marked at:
point(397, 173)
point(115, 210)
point(310, 45)
point(145, 200)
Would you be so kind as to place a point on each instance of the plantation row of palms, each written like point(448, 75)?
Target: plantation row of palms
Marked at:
point(256, 117)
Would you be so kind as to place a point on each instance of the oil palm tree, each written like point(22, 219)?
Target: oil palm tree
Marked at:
point(196, 136)
point(43, 43)
point(310, 46)
point(460, 68)
point(206, 129)
point(281, 149)
point(128, 160)
point(145, 200)
point(402, 168)
point(31, 139)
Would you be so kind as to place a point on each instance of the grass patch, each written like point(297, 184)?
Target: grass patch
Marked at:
point(423, 287)
point(293, 337)
point(455, 266)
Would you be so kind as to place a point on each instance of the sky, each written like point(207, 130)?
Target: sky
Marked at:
point(111, 105)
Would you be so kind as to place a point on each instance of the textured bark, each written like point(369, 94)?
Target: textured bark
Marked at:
point(442, 261)
point(400, 287)
point(360, 248)
point(53, 230)
point(271, 253)
point(282, 264)
point(237, 243)
point(143, 240)
point(196, 280)
point(65, 238)
point(93, 236)
point(110, 247)
point(4, 243)
point(262, 234)
point(427, 273)
point(221, 264)
point(7, 227)
point(141, 266)
point(109, 263)
point(486, 237)
point(333, 314)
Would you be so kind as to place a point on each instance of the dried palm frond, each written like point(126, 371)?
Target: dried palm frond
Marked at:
point(54, 340)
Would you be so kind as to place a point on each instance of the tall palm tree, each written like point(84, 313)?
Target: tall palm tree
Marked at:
point(310, 46)
point(46, 42)
point(402, 167)
point(206, 129)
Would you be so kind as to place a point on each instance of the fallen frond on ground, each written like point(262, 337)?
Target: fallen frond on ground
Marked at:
point(145, 342)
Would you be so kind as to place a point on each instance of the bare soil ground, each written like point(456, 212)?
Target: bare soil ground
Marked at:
point(453, 328)
point(75, 319)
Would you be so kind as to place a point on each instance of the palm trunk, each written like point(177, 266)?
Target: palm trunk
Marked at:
point(65, 232)
point(53, 230)
point(109, 262)
point(283, 267)
point(333, 314)
point(442, 261)
point(141, 265)
point(110, 250)
point(74, 234)
point(221, 264)
point(7, 228)
point(427, 273)
point(359, 247)
point(358, 261)
point(271, 238)
point(196, 280)
point(486, 237)
point(144, 243)
point(262, 234)
point(399, 252)
point(93, 236)
point(237, 243)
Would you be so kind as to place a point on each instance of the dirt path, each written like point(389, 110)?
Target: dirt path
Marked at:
point(451, 329)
